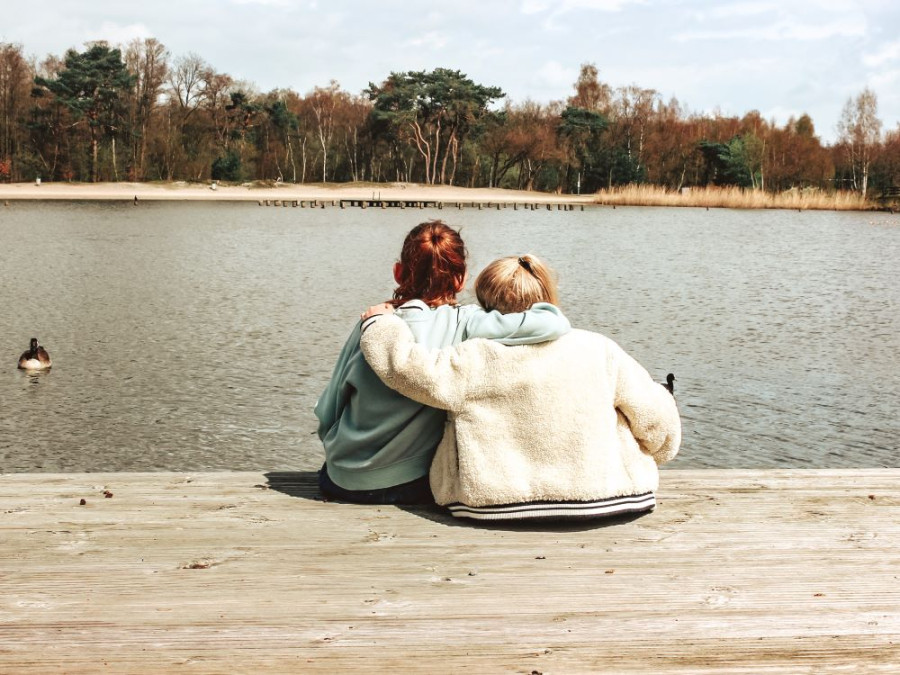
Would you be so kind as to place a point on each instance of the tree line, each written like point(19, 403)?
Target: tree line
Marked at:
point(138, 114)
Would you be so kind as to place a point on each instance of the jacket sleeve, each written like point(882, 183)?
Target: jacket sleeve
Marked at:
point(649, 408)
point(434, 377)
point(330, 405)
point(542, 323)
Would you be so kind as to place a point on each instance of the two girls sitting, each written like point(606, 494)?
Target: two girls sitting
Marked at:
point(563, 425)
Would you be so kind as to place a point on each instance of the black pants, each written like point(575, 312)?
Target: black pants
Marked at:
point(415, 492)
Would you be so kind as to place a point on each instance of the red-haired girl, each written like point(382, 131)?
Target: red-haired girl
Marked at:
point(378, 443)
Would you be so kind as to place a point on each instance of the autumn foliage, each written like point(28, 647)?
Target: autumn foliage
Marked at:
point(137, 113)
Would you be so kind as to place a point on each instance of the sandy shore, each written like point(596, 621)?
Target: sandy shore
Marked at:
point(179, 190)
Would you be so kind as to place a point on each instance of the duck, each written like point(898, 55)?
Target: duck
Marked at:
point(670, 383)
point(35, 357)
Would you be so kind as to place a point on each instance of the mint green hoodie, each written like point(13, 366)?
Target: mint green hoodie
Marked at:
point(376, 438)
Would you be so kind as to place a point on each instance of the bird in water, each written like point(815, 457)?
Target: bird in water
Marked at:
point(35, 357)
point(670, 383)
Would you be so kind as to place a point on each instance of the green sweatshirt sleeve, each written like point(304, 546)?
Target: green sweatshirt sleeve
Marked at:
point(331, 403)
point(542, 323)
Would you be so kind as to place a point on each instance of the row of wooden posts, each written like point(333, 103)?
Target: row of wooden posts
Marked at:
point(407, 204)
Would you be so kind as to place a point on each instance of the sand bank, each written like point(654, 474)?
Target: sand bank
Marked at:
point(182, 191)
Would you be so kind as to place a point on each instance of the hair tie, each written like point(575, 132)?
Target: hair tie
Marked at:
point(527, 265)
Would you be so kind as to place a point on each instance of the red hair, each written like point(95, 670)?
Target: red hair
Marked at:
point(432, 265)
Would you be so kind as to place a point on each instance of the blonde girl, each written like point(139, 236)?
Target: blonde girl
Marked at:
point(573, 428)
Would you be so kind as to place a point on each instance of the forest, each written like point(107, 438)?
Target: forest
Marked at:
point(136, 113)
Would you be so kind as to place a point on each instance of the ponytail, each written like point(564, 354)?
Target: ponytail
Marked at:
point(432, 265)
point(515, 283)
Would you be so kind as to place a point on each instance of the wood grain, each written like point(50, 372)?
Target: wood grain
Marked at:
point(736, 571)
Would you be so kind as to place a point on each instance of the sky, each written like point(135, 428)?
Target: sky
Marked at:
point(782, 58)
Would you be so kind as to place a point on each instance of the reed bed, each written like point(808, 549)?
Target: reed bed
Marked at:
point(734, 198)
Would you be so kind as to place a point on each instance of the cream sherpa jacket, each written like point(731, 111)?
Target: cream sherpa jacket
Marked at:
point(572, 419)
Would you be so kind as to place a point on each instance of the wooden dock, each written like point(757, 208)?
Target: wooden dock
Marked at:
point(735, 572)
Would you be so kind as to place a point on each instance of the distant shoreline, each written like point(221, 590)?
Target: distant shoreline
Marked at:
point(184, 191)
point(328, 193)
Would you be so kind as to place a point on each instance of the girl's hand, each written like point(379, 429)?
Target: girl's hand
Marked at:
point(382, 308)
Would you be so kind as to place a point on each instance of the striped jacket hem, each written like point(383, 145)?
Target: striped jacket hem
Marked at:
point(563, 510)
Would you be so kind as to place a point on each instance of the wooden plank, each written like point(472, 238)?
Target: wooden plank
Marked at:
point(736, 571)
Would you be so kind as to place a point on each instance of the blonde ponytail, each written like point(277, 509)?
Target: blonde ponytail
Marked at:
point(515, 283)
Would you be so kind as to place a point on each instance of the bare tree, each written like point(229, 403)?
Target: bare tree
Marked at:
point(186, 81)
point(860, 130)
point(147, 60)
point(323, 102)
point(217, 89)
point(15, 78)
point(632, 112)
point(352, 117)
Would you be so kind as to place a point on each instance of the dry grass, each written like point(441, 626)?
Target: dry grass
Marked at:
point(734, 198)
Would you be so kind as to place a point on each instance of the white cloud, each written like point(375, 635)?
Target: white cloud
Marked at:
point(557, 18)
point(885, 80)
point(534, 6)
point(741, 9)
point(884, 54)
point(851, 26)
point(554, 75)
point(264, 3)
point(564, 6)
point(116, 34)
point(432, 40)
point(783, 30)
point(597, 5)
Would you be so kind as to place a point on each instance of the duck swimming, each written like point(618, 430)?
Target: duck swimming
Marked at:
point(35, 358)
point(670, 383)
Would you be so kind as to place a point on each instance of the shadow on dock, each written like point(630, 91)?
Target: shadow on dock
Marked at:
point(302, 484)
point(305, 485)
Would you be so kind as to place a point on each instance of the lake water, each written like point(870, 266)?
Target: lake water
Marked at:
point(190, 336)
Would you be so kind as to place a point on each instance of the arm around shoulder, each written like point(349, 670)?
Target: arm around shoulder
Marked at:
point(541, 323)
point(438, 377)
